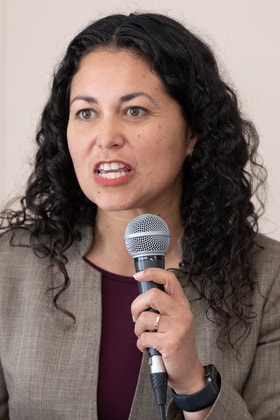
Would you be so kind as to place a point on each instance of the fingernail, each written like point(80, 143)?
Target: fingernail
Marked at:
point(138, 275)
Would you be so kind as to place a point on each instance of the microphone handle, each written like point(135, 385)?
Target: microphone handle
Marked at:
point(141, 263)
point(158, 374)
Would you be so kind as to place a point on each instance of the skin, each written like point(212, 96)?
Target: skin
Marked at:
point(120, 112)
point(128, 141)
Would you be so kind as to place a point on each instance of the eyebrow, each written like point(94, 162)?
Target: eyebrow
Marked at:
point(131, 96)
point(124, 98)
point(89, 99)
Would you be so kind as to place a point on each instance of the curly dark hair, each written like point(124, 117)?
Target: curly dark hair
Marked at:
point(220, 177)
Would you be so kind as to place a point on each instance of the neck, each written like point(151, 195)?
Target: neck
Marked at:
point(108, 250)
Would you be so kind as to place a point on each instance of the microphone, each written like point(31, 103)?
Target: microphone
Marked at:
point(147, 239)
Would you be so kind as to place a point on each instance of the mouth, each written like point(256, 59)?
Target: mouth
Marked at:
point(112, 170)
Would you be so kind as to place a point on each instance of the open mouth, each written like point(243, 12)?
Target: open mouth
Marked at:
point(112, 170)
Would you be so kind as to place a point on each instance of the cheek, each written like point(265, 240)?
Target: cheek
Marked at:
point(77, 158)
point(158, 141)
point(75, 147)
point(74, 155)
point(76, 141)
point(170, 143)
point(71, 143)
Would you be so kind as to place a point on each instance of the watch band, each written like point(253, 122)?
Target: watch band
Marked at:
point(201, 399)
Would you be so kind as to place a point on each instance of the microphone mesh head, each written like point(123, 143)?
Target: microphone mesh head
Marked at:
point(147, 234)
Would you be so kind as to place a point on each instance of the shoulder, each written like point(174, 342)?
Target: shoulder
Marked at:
point(267, 242)
point(267, 251)
point(17, 245)
point(266, 263)
point(12, 240)
point(17, 258)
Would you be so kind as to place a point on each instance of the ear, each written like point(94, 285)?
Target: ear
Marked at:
point(191, 142)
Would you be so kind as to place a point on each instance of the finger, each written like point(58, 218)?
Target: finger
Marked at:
point(163, 277)
point(154, 298)
point(149, 321)
point(165, 303)
point(151, 340)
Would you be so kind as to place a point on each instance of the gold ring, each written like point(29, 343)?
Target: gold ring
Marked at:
point(157, 322)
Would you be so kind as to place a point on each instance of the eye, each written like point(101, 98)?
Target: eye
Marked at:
point(136, 111)
point(85, 114)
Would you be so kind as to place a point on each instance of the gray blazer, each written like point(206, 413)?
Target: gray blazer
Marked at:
point(49, 366)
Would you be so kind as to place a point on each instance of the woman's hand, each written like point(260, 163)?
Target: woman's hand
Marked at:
point(174, 338)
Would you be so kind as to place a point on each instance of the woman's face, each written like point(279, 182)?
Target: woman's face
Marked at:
point(126, 135)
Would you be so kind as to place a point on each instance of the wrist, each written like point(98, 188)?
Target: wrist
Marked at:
point(190, 382)
point(203, 398)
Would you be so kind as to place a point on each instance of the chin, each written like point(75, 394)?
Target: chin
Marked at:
point(113, 207)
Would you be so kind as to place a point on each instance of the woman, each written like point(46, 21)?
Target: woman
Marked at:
point(139, 121)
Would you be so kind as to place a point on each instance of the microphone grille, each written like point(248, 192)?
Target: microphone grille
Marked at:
point(147, 234)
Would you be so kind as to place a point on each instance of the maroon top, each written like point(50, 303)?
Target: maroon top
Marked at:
point(119, 360)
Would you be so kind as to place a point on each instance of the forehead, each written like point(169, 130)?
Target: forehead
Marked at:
point(118, 66)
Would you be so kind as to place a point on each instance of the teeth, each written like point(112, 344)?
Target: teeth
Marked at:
point(113, 166)
point(112, 170)
point(112, 175)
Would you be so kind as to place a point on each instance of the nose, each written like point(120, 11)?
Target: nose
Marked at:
point(109, 133)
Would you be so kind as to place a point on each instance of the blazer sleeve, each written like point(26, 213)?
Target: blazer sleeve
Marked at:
point(262, 389)
point(228, 406)
point(4, 410)
point(259, 398)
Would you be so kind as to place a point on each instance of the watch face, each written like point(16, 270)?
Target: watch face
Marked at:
point(212, 376)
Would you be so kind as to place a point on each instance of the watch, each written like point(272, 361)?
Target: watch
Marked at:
point(201, 399)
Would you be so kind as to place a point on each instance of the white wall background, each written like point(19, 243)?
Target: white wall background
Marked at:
point(245, 35)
